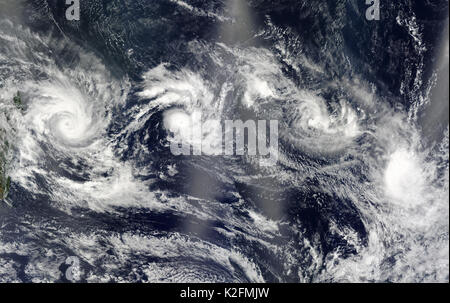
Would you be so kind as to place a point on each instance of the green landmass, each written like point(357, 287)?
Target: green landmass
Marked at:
point(5, 180)
point(18, 101)
point(5, 148)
